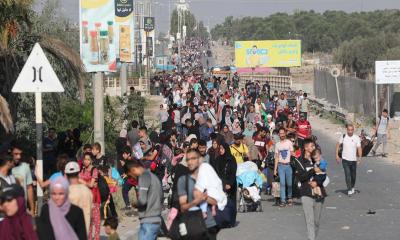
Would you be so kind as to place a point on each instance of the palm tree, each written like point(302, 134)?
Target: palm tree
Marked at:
point(17, 40)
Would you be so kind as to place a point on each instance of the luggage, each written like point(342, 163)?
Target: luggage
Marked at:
point(188, 225)
point(226, 217)
point(366, 146)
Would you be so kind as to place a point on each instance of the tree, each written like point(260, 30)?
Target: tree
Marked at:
point(20, 29)
point(18, 33)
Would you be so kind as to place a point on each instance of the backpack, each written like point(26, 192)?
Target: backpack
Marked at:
point(340, 151)
point(102, 185)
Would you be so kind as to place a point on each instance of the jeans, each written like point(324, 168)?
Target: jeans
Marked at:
point(269, 174)
point(125, 192)
point(350, 173)
point(312, 213)
point(381, 139)
point(149, 231)
point(285, 177)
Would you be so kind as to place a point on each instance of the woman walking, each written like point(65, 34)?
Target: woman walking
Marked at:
point(59, 219)
point(226, 170)
point(89, 176)
point(17, 223)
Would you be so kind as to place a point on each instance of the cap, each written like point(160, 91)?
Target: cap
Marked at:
point(11, 192)
point(238, 136)
point(72, 167)
point(269, 116)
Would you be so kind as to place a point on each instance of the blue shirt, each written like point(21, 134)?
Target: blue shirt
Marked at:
point(323, 164)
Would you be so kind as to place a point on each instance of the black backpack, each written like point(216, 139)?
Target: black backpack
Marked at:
point(102, 186)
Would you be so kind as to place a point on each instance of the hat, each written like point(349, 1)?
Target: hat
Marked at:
point(11, 192)
point(237, 136)
point(302, 115)
point(72, 167)
point(190, 137)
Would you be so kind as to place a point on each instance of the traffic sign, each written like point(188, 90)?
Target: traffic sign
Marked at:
point(335, 72)
point(37, 75)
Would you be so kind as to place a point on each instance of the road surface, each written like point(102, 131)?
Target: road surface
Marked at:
point(343, 217)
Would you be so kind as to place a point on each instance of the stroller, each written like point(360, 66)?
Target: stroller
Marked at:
point(250, 183)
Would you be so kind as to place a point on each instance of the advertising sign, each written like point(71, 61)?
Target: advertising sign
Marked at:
point(148, 24)
point(125, 35)
point(256, 55)
point(97, 35)
point(387, 72)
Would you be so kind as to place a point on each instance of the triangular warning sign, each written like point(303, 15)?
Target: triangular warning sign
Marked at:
point(37, 75)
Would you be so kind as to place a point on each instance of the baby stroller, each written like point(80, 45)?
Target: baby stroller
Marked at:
point(249, 183)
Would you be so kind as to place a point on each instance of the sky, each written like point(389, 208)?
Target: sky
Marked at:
point(214, 11)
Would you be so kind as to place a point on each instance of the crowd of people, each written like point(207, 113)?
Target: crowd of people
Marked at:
point(216, 142)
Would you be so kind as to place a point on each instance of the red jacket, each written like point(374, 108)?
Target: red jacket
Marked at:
point(303, 129)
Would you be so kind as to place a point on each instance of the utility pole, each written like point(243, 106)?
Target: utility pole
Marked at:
point(123, 78)
point(98, 109)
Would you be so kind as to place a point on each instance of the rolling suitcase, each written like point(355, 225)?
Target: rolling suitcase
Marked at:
point(367, 145)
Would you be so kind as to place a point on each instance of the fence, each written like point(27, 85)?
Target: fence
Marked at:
point(356, 95)
point(276, 82)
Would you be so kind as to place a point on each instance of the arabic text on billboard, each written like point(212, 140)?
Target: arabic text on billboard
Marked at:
point(125, 36)
point(267, 54)
point(387, 72)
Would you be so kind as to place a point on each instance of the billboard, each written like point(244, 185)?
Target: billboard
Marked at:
point(97, 35)
point(258, 55)
point(387, 72)
point(125, 35)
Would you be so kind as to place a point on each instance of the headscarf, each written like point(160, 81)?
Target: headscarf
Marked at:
point(61, 227)
point(228, 136)
point(236, 127)
point(18, 226)
point(222, 160)
point(213, 153)
point(248, 131)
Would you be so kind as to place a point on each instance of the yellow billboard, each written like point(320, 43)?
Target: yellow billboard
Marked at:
point(267, 54)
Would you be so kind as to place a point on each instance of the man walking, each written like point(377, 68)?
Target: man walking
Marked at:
point(283, 152)
point(351, 151)
point(382, 133)
point(149, 201)
point(23, 175)
point(189, 201)
point(79, 194)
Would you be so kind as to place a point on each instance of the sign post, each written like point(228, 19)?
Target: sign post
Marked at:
point(38, 76)
point(335, 73)
point(386, 72)
point(148, 27)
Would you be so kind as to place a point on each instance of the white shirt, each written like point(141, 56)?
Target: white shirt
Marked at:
point(207, 179)
point(177, 116)
point(350, 145)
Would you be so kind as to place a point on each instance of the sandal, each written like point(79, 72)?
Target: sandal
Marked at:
point(290, 202)
point(282, 205)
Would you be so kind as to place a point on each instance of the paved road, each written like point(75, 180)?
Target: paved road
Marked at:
point(343, 217)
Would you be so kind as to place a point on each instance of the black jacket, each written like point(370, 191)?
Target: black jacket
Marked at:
point(74, 217)
point(304, 176)
point(226, 170)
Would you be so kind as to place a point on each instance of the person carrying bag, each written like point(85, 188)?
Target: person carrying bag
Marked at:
point(188, 224)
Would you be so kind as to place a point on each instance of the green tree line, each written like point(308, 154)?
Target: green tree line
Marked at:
point(356, 39)
point(194, 28)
